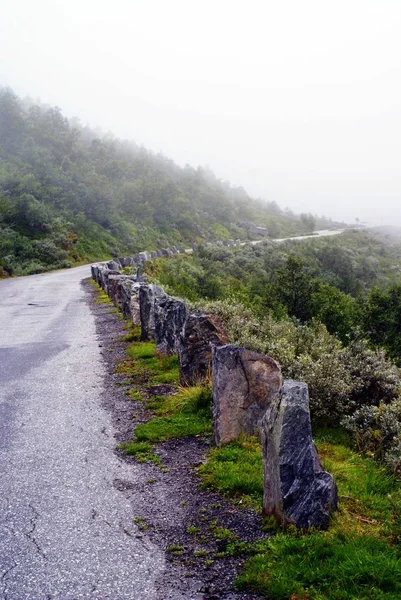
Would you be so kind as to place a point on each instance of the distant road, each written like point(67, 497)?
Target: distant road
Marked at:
point(321, 233)
point(66, 533)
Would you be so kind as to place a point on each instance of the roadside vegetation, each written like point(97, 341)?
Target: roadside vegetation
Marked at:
point(328, 310)
point(358, 558)
point(321, 308)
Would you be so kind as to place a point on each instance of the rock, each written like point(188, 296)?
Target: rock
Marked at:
point(238, 242)
point(159, 253)
point(259, 230)
point(112, 288)
point(95, 272)
point(201, 332)
point(153, 254)
point(126, 291)
point(244, 384)
point(122, 294)
point(105, 274)
point(296, 488)
point(135, 310)
point(231, 243)
point(113, 265)
point(127, 261)
point(147, 296)
point(181, 249)
point(174, 250)
point(143, 257)
point(166, 253)
point(170, 316)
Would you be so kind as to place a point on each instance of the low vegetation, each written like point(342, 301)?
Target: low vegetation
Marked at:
point(328, 310)
point(183, 413)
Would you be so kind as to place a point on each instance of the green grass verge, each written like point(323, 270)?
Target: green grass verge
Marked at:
point(235, 470)
point(143, 451)
point(145, 363)
point(184, 414)
point(359, 558)
point(102, 297)
point(324, 566)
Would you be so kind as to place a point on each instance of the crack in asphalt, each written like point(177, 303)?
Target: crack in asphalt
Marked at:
point(4, 582)
point(95, 515)
point(30, 533)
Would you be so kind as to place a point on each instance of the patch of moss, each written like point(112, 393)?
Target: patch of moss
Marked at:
point(143, 451)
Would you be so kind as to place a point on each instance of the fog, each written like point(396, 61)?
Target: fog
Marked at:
point(297, 101)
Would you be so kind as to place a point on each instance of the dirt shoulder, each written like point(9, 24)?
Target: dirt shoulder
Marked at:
point(169, 506)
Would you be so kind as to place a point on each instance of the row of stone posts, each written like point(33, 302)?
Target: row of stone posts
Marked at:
point(249, 395)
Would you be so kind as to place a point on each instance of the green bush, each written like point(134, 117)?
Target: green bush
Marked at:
point(377, 431)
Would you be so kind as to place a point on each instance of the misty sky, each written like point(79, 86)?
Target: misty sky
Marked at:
point(298, 101)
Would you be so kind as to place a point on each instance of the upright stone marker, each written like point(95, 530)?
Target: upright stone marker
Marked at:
point(201, 332)
point(147, 297)
point(297, 490)
point(170, 316)
point(244, 385)
point(113, 265)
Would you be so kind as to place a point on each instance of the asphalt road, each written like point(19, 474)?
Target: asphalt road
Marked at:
point(65, 531)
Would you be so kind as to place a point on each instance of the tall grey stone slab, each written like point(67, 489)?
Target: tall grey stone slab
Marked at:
point(113, 265)
point(297, 490)
point(101, 276)
point(166, 253)
point(147, 297)
point(135, 309)
point(143, 257)
point(96, 271)
point(170, 317)
point(244, 384)
point(126, 290)
point(104, 278)
point(127, 261)
point(98, 274)
point(201, 332)
point(120, 292)
point(113, 282)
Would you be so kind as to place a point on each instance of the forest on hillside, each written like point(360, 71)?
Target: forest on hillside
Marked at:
point(69, 193)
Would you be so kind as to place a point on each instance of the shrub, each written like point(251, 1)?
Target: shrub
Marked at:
point(374, 378)
point(377, 431)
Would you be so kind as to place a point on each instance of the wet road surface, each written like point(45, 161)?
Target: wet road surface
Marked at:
point(65, 531)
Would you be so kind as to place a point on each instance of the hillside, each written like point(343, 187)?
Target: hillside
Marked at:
point(68, 194)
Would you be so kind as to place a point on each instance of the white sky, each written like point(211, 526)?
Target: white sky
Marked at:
point(299, 101)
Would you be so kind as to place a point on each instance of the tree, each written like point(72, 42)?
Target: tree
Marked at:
point(382, 319)
point(294, 287)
